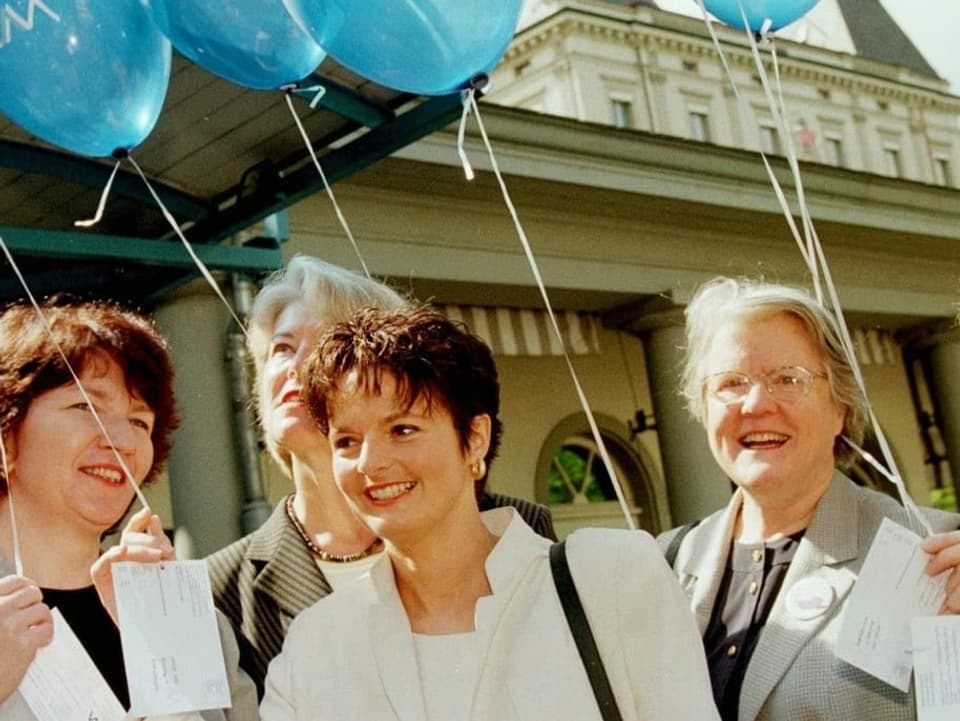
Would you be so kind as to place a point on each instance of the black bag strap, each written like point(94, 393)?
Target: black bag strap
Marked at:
point(582, 634)
point(674, 548)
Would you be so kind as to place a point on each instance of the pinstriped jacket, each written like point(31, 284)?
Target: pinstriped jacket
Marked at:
point(794, 673)
point(265, 579)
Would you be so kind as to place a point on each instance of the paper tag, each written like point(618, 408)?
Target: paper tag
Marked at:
point(892, 589)
point(64, 683)
point(936, 669)
point(171, 643)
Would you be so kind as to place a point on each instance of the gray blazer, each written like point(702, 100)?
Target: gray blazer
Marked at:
point(793, 673)
point(265, 579)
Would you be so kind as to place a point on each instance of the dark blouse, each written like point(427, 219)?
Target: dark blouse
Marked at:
point(751, 582)
point(89, 620)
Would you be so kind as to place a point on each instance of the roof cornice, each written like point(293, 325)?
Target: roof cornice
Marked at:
point(689, 37)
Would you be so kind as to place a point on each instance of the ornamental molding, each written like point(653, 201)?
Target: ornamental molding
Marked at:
point(854, 75)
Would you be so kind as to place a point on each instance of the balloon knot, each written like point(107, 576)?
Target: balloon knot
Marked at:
point(480, 83)
point(120, 154)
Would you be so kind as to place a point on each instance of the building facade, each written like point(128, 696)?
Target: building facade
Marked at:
point(635, 172)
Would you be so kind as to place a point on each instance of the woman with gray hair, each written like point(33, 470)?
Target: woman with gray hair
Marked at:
point(768, 576)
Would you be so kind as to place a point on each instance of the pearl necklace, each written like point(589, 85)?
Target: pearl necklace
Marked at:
point(326, 555)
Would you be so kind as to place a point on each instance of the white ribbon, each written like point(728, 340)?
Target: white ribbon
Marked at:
point(528, 251)
point(326, 186)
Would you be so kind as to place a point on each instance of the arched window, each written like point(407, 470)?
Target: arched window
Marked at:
point(573, 480)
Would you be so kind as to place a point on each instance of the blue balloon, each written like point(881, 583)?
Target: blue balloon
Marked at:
point(778, 12)
point(87, 76)
point(254, 43)
point(430, 47)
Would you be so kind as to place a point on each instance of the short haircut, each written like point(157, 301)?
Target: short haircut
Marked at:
point(30, 363)
point(428, 355)
point(330, 292)
point(723, 299)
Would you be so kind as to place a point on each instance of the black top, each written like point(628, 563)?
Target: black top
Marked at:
point(751, 582)
point(89, 620)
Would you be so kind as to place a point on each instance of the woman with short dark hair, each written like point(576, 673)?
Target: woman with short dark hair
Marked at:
point(460, 617)
point(312, 542)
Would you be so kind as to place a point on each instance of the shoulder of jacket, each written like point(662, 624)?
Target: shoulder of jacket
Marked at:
point(600, 551)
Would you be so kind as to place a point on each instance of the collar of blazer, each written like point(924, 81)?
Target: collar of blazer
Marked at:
point(833, 532)
point(391, 637)
point(286, 572)
point(831, 541)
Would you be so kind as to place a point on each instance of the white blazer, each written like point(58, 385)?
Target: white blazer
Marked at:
point(351, 656)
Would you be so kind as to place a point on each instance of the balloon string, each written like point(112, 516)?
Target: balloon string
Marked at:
point(326, 186)
point(913, 511)
point(17, 556)
point(813, 253)
point(810, 247)
point(90, 222)
point(850, 351)
point(528, 251)
point(468, 97)
point(720, 53)
point(201, 266)
point(774, 181)
point(786, 133)
point(780, 116)
point(315, 91)
point(76, 379)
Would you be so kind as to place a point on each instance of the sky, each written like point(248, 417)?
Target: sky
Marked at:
point(932, 25)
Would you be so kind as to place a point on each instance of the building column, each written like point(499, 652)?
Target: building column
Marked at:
point(205, 488)
point(695, 484)
point(943, 364)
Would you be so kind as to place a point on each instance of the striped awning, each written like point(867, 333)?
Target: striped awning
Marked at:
point(875, 347)
point(524, 332)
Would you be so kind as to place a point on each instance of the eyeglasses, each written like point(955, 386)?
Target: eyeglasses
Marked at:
point(789, 383)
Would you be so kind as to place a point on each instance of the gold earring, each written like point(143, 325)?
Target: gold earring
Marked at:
point(478, 469)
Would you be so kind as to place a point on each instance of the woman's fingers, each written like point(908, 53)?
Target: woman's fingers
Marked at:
point(26, 625)
point(142, 541)
point(944, 550)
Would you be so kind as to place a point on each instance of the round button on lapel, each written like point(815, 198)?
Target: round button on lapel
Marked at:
point(809, 598)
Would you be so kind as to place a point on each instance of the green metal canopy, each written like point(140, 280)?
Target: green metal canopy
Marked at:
point(222, 158)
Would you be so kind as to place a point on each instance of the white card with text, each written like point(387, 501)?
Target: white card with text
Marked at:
point(892, 589)
point(936, 667)
point(63, 682)
point(171, 643)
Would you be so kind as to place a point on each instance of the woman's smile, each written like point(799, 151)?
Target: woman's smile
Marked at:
point(387, 492)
